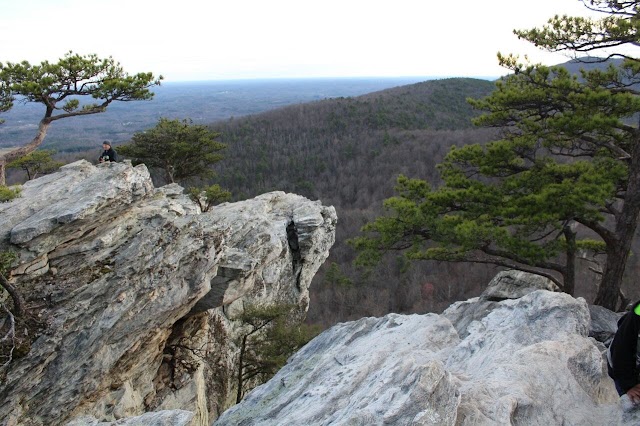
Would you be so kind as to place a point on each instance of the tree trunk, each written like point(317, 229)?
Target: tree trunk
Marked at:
point(18, 300)
point(609, 290)
point(24, 150)
point(570, 273)
point(618, 250)
point(243, 347)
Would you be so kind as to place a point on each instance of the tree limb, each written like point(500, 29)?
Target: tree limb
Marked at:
point(18, 300)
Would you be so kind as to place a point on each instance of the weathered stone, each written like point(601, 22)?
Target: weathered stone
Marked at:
point(462, 314)
point(528, 361)
point(371, 371)
point(604, 324)
point(131, 262)
point(159, 418)
point(77, 191)
point(513, 284)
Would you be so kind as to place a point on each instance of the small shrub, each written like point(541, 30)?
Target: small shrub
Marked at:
point(8, 193)
point(209, 196)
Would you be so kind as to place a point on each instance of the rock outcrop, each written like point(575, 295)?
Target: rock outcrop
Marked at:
point(136, 292)
point(508, 284)
point(525, 361)
point(512, 284)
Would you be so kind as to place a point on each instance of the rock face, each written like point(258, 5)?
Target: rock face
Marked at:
point(136, 291)
point(528, 361)
point(604, 324)
point(511, 284)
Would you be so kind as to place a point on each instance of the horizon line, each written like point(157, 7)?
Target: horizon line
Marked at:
point(371, 77)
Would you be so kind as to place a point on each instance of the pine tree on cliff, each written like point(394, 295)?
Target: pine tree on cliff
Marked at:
point(569, 158)
point(60, 86)
point(179, 149)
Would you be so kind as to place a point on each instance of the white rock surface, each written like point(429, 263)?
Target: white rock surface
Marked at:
point(527, 362)
point(159, 418)
point(140, 312)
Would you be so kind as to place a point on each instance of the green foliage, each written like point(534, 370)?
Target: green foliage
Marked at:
point(334, 276)
point(179, 148)
point(581, 34)
point(8, 193)
point(567, 158)
point(36, 162)
point(59, 87)
point(506, 203)
point(275, 333)
point(6, 98)
point(51, 84)
point(7, 258)
point(209, 196)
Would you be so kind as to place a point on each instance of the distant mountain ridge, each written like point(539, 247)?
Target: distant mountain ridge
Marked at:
point(320, 133)
point(202, 102)
point(589, 63)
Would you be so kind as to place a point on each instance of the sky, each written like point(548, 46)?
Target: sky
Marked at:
point(191, 40)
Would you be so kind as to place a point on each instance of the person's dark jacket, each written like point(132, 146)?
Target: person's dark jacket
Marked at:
point(624, 348)
point(108, 155)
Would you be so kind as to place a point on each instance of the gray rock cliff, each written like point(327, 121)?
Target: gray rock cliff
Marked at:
point(519, 361)
point(136, 291)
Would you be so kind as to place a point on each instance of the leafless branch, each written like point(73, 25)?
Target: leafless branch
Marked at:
point(18, 300)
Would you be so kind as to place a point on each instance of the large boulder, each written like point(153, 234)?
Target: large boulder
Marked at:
point(134, 293)
point(508, 284)
point(604, 323)
point(512, 284)
point(527, 361)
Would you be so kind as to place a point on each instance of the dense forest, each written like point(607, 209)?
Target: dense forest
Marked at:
point(203, 102)
point(348, 152)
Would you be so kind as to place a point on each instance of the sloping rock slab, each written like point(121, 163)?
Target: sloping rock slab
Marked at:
point(527, 362)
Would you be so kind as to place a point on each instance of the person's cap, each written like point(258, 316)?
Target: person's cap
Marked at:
point(106, 143)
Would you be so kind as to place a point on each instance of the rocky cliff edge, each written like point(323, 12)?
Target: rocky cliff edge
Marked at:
point(517, 355)
point(134, 292)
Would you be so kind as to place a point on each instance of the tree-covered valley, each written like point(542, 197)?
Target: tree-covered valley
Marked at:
point(348, 152)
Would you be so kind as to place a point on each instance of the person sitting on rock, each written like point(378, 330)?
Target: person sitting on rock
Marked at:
point(623, 355)
point(108, 155)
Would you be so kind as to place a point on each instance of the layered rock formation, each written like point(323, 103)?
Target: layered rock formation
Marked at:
point(135, 291)
point(526, 360)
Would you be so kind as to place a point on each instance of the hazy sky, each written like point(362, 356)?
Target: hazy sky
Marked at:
point(212, 39)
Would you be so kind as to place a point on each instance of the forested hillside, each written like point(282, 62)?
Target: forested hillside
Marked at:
point(202, 102)
point(348, 152)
